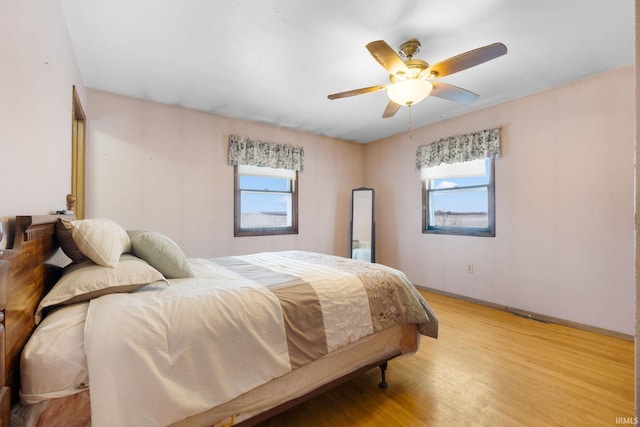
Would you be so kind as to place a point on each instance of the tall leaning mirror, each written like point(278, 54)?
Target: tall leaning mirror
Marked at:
point(363, 224)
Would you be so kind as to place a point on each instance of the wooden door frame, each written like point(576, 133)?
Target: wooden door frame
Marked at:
point(78, 147)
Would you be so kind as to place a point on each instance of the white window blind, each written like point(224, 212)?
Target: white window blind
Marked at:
point(266, 172)
point(454, 170)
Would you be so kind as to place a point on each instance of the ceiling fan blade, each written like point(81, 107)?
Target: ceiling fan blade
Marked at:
point(468, 59)
point(387, 57)
point(452, 93)
point(356, 92)
point(391, 110)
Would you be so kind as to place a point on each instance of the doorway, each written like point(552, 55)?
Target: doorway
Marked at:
point(78, 145)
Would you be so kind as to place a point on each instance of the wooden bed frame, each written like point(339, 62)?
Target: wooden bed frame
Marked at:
point(25, 277)
point(27, 272)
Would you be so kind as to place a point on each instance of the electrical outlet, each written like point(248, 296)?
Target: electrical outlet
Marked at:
point(469, 268)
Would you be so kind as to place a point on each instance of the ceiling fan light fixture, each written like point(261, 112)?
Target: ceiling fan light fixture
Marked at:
point(410, 91)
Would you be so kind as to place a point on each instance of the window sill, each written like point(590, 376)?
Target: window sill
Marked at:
point(461, 232)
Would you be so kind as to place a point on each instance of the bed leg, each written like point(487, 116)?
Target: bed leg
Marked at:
point(383, 380)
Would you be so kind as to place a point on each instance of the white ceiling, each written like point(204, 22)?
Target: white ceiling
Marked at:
point(275, 61)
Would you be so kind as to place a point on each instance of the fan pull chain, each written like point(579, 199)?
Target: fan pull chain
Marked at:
point(410, 123)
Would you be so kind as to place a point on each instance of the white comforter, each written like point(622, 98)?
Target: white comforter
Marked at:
point(166, 352)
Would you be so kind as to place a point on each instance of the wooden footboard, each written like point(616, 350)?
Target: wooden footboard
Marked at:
point(25, 276)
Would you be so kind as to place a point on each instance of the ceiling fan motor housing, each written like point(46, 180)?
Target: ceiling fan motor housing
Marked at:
point(408, 50)
point(416, 68)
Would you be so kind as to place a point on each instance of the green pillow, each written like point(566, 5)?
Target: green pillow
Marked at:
point(161, 253)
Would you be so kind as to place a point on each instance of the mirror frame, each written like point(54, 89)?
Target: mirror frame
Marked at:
point(373, 222)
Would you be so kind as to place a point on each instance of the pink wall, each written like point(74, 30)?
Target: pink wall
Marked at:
point(564, 244)
point(159, 167)
point(565, 221)
point(36, 78)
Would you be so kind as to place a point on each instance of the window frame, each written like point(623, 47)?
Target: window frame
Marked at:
point(489, 231)
point(263, 231)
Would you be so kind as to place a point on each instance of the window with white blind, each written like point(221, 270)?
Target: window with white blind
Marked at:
point(459, 198)
point(266, 201)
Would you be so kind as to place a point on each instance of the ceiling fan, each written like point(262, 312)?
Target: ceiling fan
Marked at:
point(411, 80)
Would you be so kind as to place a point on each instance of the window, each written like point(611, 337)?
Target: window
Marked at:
point(458, 198)
point(266, 201)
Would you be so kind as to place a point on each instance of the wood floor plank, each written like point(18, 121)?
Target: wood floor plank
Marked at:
point(488, 368)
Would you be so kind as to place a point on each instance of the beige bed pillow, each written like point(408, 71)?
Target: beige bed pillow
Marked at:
point(82, 282)
point(101, 240)
point(161, 252)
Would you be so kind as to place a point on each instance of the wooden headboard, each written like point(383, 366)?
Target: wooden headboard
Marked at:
point(26, 274)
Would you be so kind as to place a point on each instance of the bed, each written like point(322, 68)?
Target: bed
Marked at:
point(186, 342)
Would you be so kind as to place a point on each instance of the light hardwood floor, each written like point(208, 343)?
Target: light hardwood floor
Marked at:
point(488, 368)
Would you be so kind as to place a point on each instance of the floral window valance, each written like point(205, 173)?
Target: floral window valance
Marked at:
point(460, 148)
point(246, 151)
